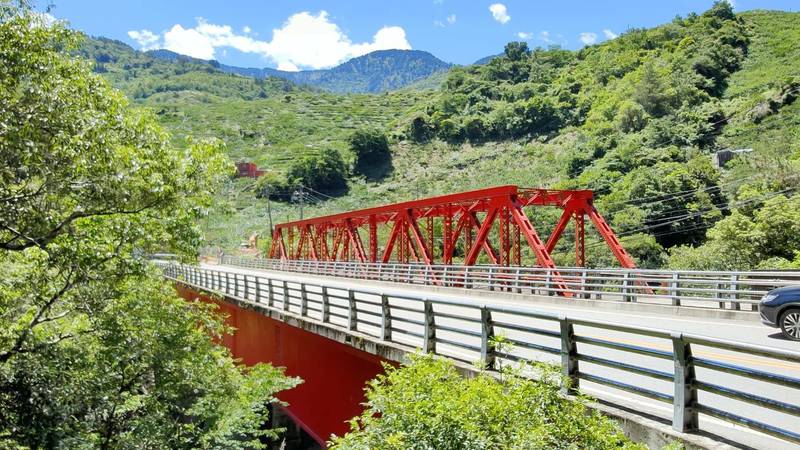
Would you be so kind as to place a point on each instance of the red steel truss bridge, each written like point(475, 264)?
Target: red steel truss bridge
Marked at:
point(429, 230)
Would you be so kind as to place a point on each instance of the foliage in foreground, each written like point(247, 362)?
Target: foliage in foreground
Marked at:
point(95, 350)
point(427, 404)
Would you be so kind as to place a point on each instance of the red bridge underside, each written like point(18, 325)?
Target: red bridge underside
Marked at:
point(490, 221)
point(334, 374)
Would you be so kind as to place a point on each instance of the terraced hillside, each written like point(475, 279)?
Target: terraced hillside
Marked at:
point(637, 119)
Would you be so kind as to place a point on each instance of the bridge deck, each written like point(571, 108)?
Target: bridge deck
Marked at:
point(733, 330)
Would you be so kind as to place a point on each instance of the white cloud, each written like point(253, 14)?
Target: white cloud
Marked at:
point(304, 40)
point(449, 20)
point(609, 34)
point(499, 12)
point(146, 39)
point(246, 29)
point(288, 67)
point(545, 36)
point(524, 35)
point(588, 38)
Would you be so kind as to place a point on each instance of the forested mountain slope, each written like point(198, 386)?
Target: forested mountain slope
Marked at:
point(637, 119)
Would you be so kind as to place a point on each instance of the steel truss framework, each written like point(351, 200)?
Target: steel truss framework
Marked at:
point(429, 230)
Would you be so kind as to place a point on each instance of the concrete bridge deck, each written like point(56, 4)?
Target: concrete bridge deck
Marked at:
point(735, 330)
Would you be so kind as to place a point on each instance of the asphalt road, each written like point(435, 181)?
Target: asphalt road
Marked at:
point(733, 330)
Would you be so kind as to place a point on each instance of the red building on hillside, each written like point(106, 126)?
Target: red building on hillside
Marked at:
point(246, 169)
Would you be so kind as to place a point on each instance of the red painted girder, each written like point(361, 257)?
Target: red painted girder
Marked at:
point(388, 210)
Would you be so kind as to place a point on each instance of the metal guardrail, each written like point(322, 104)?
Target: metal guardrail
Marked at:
point(731, 290)
point(689, 367)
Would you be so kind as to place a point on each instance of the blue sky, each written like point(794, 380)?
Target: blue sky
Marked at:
point(317, 34)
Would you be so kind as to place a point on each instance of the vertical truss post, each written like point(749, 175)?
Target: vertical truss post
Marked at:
point(291, 243)
point(373, 240)
point(580, 243)
point(503, 235)
point(447, 233)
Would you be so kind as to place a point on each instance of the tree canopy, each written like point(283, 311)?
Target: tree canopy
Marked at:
point(95, 349)
point(427, 404)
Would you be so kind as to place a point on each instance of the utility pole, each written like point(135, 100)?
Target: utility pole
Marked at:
point(269, 211)
point(301, 196)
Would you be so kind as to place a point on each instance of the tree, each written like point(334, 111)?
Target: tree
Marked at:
point(419, 129)
point(516, 51)
point(323, 171)
point(95, 349)
point(427, 404)
point(370, 148)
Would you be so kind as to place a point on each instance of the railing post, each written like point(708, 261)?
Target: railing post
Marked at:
point(352, 312)
point(258, 289)
point(674, 293)
point(516, 282)
point(491, 278)
point(684, 416)
point(303, 300)
point(270, 294)
point(584, 290)
point(548, 282)
point(487, 334)
point(227, 282)
point(467, 282)
point(246, 288)
point(386, 319)
point(626, 287)
point(734, 292)
point(569, 357)
point(444, 277)
point(718, 295)
point(326, 305)
point(599, 289)
point(285, 295)
point(429, 332)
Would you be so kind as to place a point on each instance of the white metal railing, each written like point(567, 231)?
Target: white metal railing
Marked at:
point(688, 371)
point(732, 290)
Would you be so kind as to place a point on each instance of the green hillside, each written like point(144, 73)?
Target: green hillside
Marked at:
point(637, 119)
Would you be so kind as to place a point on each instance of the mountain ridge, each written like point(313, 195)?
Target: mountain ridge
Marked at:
point(378, 71)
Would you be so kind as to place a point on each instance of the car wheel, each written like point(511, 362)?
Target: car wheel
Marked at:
point(790, 324)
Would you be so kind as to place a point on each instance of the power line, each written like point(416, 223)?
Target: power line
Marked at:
point(696, 214)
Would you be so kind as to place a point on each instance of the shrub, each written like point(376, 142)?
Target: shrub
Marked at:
point(370, 148)
point(427, 404)
point(323, 171)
